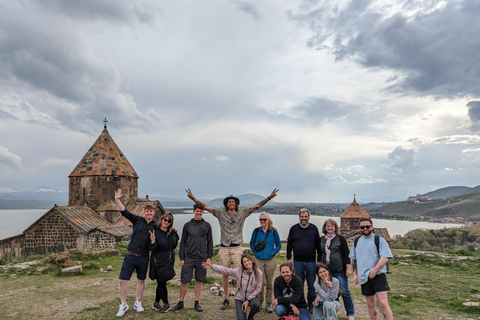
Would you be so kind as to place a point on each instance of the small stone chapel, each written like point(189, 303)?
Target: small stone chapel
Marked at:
point(91, 220)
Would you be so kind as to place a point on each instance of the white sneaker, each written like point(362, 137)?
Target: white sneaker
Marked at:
point(138, 306)
point(351, 318)
point(122, 309)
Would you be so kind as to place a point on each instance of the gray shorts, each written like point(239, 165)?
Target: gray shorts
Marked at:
point(189, 265)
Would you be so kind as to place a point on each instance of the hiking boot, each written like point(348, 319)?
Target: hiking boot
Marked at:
point(165, 308)
point(198, 307)
point(138, 306)
point(157, 306)
point(225, 304)
point(122, 309)
point(269, 308)
point(178, 306)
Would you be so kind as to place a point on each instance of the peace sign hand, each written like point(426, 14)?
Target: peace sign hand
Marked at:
point(152, 236)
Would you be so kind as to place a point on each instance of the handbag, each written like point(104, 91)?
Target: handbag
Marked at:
point(164, 269)
point(259, 246)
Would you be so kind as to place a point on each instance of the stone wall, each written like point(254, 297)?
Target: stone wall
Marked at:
point(96, 191)
point(12, 247)
point(99, 240)
point(51, 234)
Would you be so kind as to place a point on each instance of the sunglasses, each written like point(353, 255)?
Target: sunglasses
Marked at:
point(262, 219)
point(232, 219)
point(168, 220)
point(365, 227)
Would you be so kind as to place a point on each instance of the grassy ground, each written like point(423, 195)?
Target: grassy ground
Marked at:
point(422, 287)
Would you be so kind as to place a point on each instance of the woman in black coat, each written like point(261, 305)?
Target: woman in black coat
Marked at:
point(164, 240)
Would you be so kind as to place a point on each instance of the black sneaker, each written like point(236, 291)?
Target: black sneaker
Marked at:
point(198, 307)
point(178, 306)
point(157, 306)
point(165, 308)
point(225, 304)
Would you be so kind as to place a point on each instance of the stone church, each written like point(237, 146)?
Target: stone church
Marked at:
point(91, 220)
point(350, 219)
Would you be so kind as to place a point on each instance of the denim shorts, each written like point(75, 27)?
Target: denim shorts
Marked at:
point(130, 263)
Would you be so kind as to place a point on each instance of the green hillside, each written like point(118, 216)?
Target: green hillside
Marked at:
point(466, 206)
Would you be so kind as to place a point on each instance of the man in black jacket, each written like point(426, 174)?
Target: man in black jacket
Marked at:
point(289, 295)
point(196, 246)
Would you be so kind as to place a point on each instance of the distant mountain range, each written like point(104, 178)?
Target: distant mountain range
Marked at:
point(449, 201)
point(451, 192)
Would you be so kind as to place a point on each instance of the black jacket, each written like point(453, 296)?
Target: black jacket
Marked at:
point(161, 249)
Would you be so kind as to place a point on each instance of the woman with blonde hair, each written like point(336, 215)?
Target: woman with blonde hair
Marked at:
point(164, 240)
point(249, 282)
point(265, 244)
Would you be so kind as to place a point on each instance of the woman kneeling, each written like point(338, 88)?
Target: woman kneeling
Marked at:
point(326, 291)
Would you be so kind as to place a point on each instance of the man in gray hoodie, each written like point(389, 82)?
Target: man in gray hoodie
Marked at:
point(196, 246)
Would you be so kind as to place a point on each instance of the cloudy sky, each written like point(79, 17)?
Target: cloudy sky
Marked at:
point(321, 99)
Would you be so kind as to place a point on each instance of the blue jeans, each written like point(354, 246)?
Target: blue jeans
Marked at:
point(346, 296)
point(281, 310)
point(306, 270)
point(327, 311)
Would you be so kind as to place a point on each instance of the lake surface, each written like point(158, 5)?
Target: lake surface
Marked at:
point(14, 222)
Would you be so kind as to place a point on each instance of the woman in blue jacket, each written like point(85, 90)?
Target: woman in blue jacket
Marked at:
point(265, 258)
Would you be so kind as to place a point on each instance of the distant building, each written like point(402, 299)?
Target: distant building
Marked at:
point(350, 220)
point(419, 198)
point(91, 220)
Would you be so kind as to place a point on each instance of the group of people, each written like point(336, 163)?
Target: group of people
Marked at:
point(324, 262)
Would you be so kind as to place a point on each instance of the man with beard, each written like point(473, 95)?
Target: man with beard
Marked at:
point(304, 240)
point(370, 269)
point(289, 295)
point(231, 219)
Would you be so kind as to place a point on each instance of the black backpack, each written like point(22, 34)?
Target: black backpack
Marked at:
point(377, 244)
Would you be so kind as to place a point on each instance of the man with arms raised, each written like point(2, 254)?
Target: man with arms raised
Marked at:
point(369, 268)
point(231, 220)
point(304, 241)
point(137, 254)
point(288, 293)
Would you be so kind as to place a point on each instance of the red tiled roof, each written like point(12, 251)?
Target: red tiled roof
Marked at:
point(104, 158)
point(355, 211)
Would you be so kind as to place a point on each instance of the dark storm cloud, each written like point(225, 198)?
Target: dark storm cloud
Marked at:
point(46, 57)
point(435, 49)
point(474, 114)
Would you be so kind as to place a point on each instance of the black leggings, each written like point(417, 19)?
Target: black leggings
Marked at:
point(161, 292)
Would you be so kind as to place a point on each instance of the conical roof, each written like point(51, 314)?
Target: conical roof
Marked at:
point(355, 211)
point(104, 158)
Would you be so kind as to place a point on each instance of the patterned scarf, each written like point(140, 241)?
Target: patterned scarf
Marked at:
point(327, 247)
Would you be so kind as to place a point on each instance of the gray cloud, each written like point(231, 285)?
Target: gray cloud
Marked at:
point(433, 47)
point(249, 8)
point(10, 159)
point(60, 76)
point(113, 11)
point(474, 114)
point(403, 160)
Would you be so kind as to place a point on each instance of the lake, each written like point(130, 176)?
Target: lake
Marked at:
point(14, 222)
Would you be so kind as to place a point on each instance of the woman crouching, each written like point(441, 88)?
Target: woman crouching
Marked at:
point(326, 291)
point(249, 284)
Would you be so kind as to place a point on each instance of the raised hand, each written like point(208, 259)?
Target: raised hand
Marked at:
point(273, 194)
point(152, 236)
